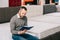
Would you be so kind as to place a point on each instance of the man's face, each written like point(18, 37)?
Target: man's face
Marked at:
point(22, 12)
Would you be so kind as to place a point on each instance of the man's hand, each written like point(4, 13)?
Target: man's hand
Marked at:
point(22, 32)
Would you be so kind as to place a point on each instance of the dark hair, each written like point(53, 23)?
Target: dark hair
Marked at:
point(22, 7)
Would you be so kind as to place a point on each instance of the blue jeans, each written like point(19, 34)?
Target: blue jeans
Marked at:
point(24, 37)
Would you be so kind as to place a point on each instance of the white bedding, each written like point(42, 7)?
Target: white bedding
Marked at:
point(5, 33)
point(47, 19)
point(56, 14)
point(38, 30)
point(44, 29)
point(43, 26)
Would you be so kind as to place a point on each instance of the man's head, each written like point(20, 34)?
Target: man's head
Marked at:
point(22, 12)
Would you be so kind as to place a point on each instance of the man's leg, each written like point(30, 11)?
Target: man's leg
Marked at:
point(17, 37)
point(29, 37)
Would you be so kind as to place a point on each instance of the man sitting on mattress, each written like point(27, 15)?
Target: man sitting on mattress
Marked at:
point(18, 21)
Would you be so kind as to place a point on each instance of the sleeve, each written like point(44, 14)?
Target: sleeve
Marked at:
point(12, 26)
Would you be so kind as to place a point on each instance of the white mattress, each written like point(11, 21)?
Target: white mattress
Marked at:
point(47, 19)
point(57, 14)
point(44, 29)
point(39, 29)
point(5, 33)
point(43, 26)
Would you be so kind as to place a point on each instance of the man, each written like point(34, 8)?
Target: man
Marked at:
point(18, 21)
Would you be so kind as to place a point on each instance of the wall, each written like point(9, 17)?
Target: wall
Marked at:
point(4, 3)
point(59, 2)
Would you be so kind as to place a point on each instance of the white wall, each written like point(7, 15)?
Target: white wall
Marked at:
point(59, 2)
point(4, 3)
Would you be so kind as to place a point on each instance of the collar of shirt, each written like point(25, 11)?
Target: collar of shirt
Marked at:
point(18, 16)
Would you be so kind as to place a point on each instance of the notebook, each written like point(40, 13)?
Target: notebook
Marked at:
point(25, 27)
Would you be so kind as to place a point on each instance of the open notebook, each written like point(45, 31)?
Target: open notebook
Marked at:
point(25, 27)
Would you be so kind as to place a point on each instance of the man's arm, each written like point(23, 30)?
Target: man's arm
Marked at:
point(12, 26)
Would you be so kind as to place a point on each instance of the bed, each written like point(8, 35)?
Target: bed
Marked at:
point(56, 14)
point(44, 25)
point(40, 29)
